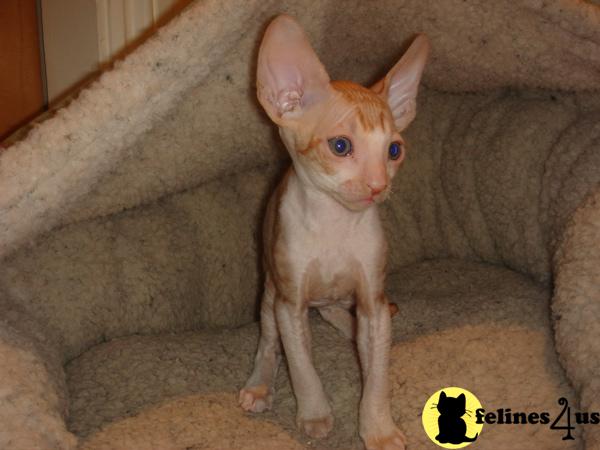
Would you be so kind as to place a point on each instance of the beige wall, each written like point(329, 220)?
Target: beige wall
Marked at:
point(70, 43)
point(81, 35)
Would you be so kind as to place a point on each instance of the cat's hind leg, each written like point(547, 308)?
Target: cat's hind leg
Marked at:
point(340, 318)
point(344, 320)
point(257, 393)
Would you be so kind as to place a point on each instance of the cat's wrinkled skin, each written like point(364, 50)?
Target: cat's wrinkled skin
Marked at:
point(324, 244)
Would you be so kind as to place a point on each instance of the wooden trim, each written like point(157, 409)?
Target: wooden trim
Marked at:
point(21, 95)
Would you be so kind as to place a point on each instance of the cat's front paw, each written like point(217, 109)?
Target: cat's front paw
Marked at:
point(316, 428)
point(395, 440)
point(256, 398)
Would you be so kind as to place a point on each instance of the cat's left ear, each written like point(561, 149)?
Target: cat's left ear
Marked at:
point(400, 86)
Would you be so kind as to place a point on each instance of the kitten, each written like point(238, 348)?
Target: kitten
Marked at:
point(324, 244)
point(452, 428)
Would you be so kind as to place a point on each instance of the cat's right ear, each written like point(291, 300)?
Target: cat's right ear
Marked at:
point(290, 77)
point(442, 396)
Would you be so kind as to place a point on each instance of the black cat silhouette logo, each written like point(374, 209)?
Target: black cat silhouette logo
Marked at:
point(449, 419)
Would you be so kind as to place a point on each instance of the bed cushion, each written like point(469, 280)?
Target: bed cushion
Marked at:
point(472, 325)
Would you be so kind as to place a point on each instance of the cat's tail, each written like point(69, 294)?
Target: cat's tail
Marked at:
point(473, 439)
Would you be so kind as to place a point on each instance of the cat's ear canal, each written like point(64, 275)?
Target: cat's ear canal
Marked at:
point(290, 77)
point(400, 86)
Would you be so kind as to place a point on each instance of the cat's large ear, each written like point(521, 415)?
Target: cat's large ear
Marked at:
point(399, 87)
point(290, 77)
point(462, 400)
point(442, 396)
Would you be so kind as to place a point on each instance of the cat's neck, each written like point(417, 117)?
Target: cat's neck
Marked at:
point(315, 208)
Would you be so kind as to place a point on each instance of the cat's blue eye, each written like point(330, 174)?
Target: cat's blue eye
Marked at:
point(395, 150)
point(340, 145)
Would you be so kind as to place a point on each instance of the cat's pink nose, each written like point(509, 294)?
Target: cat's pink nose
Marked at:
point(376, 188)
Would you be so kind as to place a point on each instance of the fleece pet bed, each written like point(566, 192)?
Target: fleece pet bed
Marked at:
point(130, 232)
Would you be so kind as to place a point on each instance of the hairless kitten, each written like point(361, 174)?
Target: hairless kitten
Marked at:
point(324, 243)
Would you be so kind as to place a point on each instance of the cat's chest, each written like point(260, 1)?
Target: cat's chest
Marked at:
point(331, 251)
point(326, 265)
point(331, 245)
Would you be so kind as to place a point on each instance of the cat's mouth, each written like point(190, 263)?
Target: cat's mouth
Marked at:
point(377, 198)
point(371, 199)
point(362, 203)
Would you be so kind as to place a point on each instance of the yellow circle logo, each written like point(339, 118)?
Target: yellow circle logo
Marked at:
point(449, 418)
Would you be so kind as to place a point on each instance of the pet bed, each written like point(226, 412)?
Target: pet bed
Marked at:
point(130, 232)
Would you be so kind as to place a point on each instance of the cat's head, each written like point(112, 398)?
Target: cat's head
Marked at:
point(452, 406)
point(342, 137)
